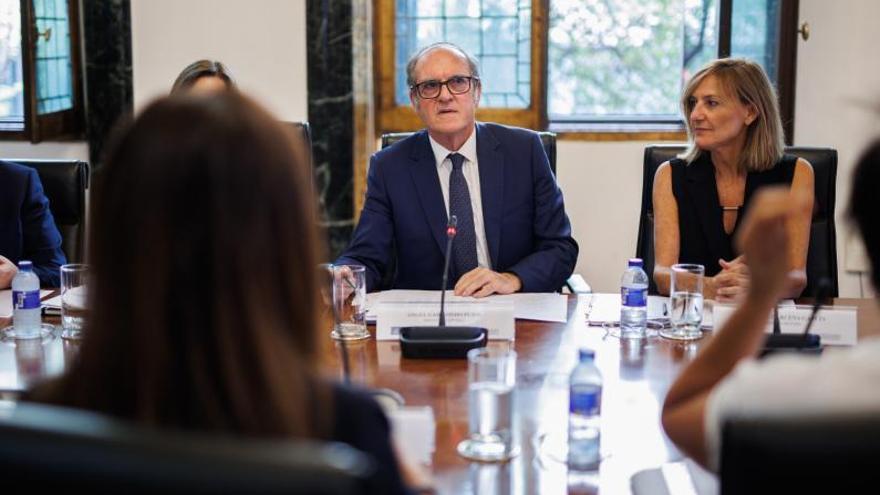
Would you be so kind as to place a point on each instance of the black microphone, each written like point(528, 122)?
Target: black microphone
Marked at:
point(803, 342)
point(823, 290)
point(451, 230)
point(442, 341)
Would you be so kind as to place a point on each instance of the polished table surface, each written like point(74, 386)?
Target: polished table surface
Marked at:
point(636, 377)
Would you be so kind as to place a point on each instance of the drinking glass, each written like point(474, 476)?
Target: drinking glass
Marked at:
point(73, 300)
point(686, 301)
point(349, 302)
point(491, 382)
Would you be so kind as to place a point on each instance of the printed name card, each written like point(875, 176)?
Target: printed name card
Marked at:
point(836, 325)
point(495, 316)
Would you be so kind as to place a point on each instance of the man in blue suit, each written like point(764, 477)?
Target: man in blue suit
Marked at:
point(512, 233)
point(27, 230)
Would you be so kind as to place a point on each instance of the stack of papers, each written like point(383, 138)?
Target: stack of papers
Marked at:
point(526, 306)
point(6, 302)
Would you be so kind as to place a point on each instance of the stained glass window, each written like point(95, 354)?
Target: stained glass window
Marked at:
point(53, 57)
point(496, 32)
point(11, 76)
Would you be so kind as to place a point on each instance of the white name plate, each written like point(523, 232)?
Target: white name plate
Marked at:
point(836, 325)
point(495, 316)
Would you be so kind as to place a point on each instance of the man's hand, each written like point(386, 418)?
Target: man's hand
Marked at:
point(482, 282)
point(7, 272)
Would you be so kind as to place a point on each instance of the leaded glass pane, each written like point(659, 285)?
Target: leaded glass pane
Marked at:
point(53, 58)
point(496, 32)
point(11, 75)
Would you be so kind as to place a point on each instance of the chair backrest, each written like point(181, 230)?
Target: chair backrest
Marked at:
point(804, 455)
point(46, 447)
point(65, 183)
point(548, 139)
point(822, 253)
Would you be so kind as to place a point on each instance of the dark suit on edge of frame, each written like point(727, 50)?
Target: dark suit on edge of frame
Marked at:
point(404, 215)
point(27, 229)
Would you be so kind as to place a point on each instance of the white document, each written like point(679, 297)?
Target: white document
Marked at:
point(6, 301)
point(495, 316)
point(836, 325)
point(605, 308)
point(526, 306)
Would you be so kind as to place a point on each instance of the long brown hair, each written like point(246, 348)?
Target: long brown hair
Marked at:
point(203, 306)
point(747, 81)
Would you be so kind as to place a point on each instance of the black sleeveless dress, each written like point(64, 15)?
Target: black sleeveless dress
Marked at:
point(702, 238)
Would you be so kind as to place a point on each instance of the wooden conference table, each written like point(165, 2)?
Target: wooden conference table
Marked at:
point(636, 378)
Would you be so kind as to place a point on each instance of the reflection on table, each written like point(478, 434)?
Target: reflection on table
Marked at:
point(636, 377)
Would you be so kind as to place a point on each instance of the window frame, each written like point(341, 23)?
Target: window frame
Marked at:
point(391, 117)
point(64, 125)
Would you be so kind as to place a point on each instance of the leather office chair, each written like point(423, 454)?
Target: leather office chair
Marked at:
point(822, 252)
point(65, 183)
point(805, 455)
point(46, 447)
point(575, 284)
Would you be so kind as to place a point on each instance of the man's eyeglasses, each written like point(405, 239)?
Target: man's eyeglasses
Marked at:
point(456, 85)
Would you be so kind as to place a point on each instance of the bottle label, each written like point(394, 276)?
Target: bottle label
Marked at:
point(26, 299)
point(633, 296)
point(584, 400)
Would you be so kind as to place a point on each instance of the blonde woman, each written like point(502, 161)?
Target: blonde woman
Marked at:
point(736, 148)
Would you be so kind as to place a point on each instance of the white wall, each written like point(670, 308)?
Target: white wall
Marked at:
point(602, 185)
point(838, 79)
point(838, 90)
point(263, 42)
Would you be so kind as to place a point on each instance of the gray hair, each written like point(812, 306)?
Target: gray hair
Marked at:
point(473, 65)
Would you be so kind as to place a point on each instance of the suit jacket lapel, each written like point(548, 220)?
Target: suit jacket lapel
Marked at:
point(701, 185)
point(427, 183)
point(490, 161)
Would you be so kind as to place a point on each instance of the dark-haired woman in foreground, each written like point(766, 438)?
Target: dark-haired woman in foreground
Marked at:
point(204, 302)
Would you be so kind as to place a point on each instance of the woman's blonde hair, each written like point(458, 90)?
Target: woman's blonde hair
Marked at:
point(747, 81)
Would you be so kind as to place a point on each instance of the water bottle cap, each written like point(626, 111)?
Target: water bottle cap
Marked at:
point(635, 262)
point(586, 354)
point(25, 266)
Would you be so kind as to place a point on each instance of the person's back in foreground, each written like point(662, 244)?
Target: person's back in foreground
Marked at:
point(203, 306)
point(723, 383)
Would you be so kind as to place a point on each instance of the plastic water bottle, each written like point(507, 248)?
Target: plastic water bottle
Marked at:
point(584, 406)
point(26, 302)
point(633, 300)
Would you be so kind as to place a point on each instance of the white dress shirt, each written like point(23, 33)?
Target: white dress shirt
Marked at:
point(471, 172)
point(840, 381)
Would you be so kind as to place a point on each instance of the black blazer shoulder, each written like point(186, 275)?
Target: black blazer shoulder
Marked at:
point(360, 422)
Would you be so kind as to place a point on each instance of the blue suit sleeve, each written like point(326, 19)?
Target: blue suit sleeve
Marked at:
point(42, 241)
point(372, 242)
point(555, 251)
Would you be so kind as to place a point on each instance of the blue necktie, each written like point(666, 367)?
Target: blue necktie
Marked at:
point(464, 246)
